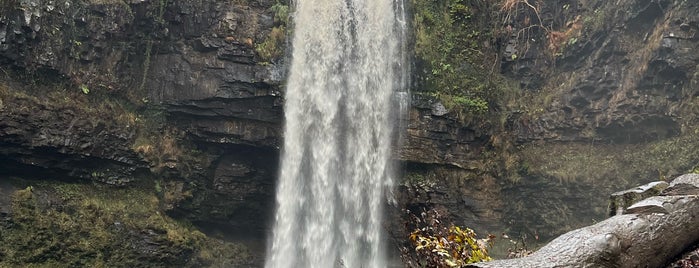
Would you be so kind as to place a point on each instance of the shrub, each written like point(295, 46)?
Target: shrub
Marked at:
point(437, 244)
point(273, 47)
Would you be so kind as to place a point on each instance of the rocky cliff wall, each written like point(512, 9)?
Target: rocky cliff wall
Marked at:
point(172, 96)
point(583, 97)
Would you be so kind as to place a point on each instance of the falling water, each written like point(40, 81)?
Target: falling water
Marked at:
point(346, 73)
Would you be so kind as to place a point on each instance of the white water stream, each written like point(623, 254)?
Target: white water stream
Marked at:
point(348, 66)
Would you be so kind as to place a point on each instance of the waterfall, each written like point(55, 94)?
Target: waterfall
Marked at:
point(346, 73)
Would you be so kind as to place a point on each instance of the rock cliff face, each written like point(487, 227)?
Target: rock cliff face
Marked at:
point(174, 97)
point(170, 95)
point(627, 77)
point(605, 98)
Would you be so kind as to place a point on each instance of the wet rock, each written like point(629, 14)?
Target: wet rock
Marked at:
point(433, 137)
point(237, 196)
point(184, 54)
point(469, 199)
point(50, 138)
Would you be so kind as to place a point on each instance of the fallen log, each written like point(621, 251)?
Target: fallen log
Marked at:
point(619, 201)
point(650, 233)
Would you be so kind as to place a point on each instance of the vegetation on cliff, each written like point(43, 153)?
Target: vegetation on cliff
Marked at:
point(60, 224)
point(80, 107)
point(274, 46)
point(92, 201)
point(592, 107)
point(454, 53)
point(436, 243)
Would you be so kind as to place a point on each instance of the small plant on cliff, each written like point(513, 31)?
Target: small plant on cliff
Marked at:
point(166, 151)
point(281, 13)
point(273, 46)
point(437, 244)
point(695, 169)
point(84, 89)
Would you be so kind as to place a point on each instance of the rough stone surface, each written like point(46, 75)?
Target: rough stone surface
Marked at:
point(199, 106)
point(196, 57)
point(238, 194)
point(47, 137)
point(470, 200)
point(627, 77)
point(433, 137)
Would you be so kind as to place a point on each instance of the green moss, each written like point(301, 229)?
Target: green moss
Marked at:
point(146, 65)
point(77, 225)
point(596, 20)
point(162, 147)
point(454, 55)
point(625, 164)
point(54, 93)
point(272, 48)
point(425, 181)
point(281, 13)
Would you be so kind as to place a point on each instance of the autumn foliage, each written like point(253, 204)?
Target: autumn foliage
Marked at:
point(436, 244)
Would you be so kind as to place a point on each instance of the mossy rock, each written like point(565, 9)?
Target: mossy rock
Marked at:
point(77, 225)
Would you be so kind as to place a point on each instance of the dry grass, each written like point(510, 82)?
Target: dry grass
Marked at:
point(559, 39)
point(159, 149)
point(166, 150)
point(509, 5)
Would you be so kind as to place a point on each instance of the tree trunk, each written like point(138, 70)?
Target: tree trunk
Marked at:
point(650, 233)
